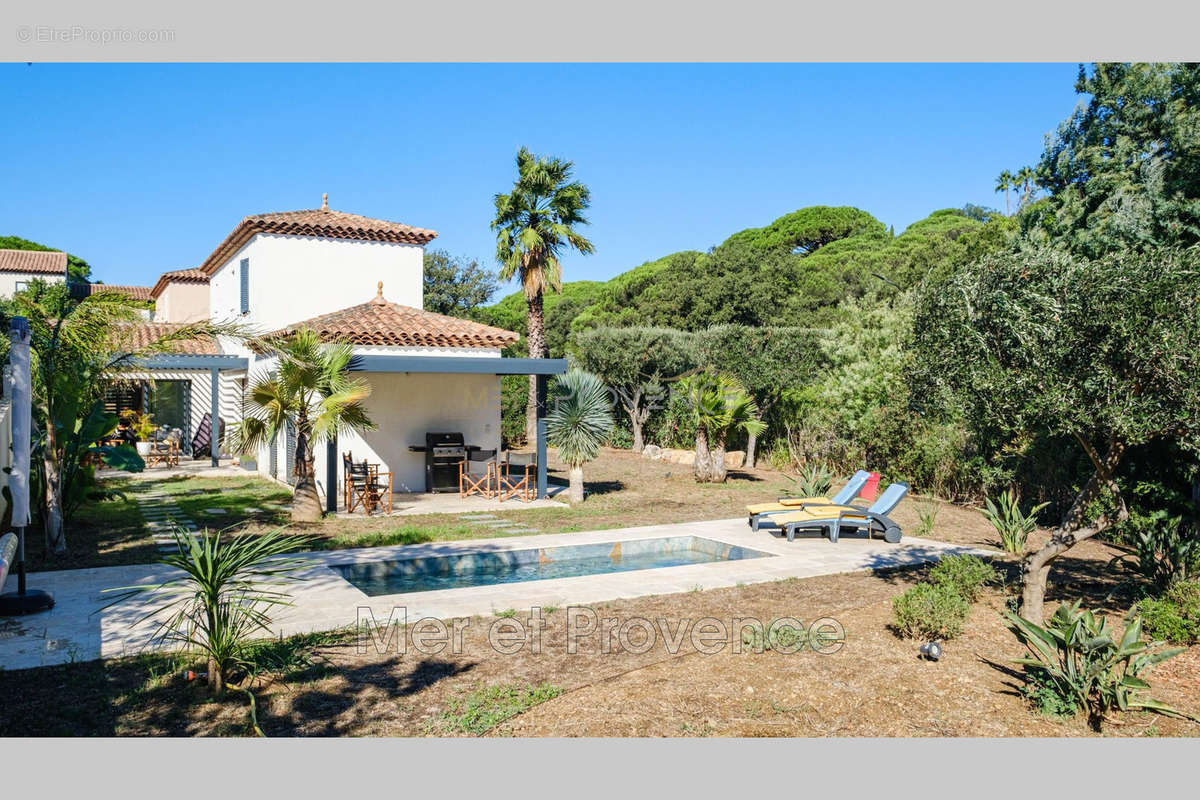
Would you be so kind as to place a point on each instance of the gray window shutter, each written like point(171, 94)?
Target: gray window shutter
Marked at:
point(245, 285)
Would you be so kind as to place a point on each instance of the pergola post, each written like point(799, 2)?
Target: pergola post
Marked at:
point(331, 475)
point(541, 436)
point(214, 429)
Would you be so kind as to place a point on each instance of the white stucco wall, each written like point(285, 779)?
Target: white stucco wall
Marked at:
point(9, 280)
point(293, 278)
point(182, 302)
point(404, 407)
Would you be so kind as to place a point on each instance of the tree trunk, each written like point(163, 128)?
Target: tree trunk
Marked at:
point(306, 500)
point(536, 339)
point(52, 513)
point(703, 466)
point(216, 677)
point(633, 407)
point(575, 483)
point(717, 471)
point(1036, 568)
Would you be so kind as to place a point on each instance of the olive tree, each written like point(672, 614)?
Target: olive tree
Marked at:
point(766, 362)
point(632, 361)
point(1104, 351)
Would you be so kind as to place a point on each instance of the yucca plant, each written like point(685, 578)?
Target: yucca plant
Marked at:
point(718, 406)
point(579, 423)
point(1010, 523)
point(1076, 657)
point(814, 481)
point(224, 596)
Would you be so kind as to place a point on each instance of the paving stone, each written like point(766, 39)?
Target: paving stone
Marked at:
point(477, 516)
point(216, 512)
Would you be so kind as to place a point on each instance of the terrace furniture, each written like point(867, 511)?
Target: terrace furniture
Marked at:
point(166, 450)
point(478, 473)
point(517, 476)
point(762, 512)
point(365, 486)
point(834, 518)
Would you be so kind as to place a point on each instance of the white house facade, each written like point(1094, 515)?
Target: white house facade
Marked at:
point(19, 267)
point(351, 279)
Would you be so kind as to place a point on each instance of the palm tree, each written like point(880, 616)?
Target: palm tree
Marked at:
point(1024, 178)
point(78, 350)
point(719, 406)
point(1005, 182)
point(309, 388)
point(579, 423)
point(533, 224)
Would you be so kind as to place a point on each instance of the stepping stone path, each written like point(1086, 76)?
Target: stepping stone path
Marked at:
point(216, 512)
point(162, 516)
point(492, 521)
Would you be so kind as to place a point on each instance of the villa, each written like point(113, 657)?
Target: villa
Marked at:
point(351, 279)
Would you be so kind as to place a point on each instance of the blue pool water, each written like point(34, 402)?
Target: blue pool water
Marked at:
point(535, 564)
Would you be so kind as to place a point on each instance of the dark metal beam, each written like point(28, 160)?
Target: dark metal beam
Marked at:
point(331, 474)
point(465, 365)
point(214, 429)
point(541, 436)
point(193, 362)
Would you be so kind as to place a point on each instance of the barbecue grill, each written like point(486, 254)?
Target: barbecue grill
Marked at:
point(443, 453)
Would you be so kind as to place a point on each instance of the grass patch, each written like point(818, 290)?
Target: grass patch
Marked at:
point(483, 709)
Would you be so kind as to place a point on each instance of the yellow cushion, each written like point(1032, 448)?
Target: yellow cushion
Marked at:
point(784, 504)
point(819, 515)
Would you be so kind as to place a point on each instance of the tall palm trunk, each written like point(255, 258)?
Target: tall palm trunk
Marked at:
point(306, 501)
point(536, 338)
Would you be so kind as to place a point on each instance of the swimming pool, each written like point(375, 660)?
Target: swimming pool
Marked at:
point(485, 568)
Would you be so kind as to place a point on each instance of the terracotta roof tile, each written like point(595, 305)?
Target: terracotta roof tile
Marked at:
point(50, 262)
point(139, 335)
point(178, 276)
point(134, 292)
point(382, 323)
point(323, 222)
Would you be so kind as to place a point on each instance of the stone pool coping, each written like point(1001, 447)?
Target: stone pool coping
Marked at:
point(323, 600)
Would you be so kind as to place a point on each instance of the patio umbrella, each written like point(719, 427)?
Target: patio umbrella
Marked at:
point(19, 392)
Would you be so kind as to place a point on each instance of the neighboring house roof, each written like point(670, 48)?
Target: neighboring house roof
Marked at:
point(132, 292)
point(138, 336)
point(178, 276)
point(382, 323)
point(323, 222)
point(48, 262)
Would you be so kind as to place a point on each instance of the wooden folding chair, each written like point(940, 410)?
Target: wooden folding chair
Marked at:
point(517, 477)
point(476, 473)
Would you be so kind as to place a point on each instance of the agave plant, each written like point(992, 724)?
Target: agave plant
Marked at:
point(579, 423)
point(1077, 658)
point(1010, 523)
point(814, 481)
point(224, 596)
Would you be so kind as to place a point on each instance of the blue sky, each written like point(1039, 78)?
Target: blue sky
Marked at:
point(144, 168)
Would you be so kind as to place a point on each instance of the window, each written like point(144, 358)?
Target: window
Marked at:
point(245, 285)
point(20, 286)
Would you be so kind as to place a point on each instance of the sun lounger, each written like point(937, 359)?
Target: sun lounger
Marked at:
point(835, 518)
point(761, 511)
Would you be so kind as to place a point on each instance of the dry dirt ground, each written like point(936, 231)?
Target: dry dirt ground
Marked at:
point(874, 685)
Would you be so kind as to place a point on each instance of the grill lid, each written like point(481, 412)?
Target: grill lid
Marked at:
point(444, 440)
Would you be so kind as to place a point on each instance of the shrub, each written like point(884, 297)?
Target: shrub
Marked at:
point(1076, 659)
point(1164, 549)
point(927, 512)
point(1010, 523)
point(964, 575)
point(814, 482)
point(1174, 617)
point(930, 611)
